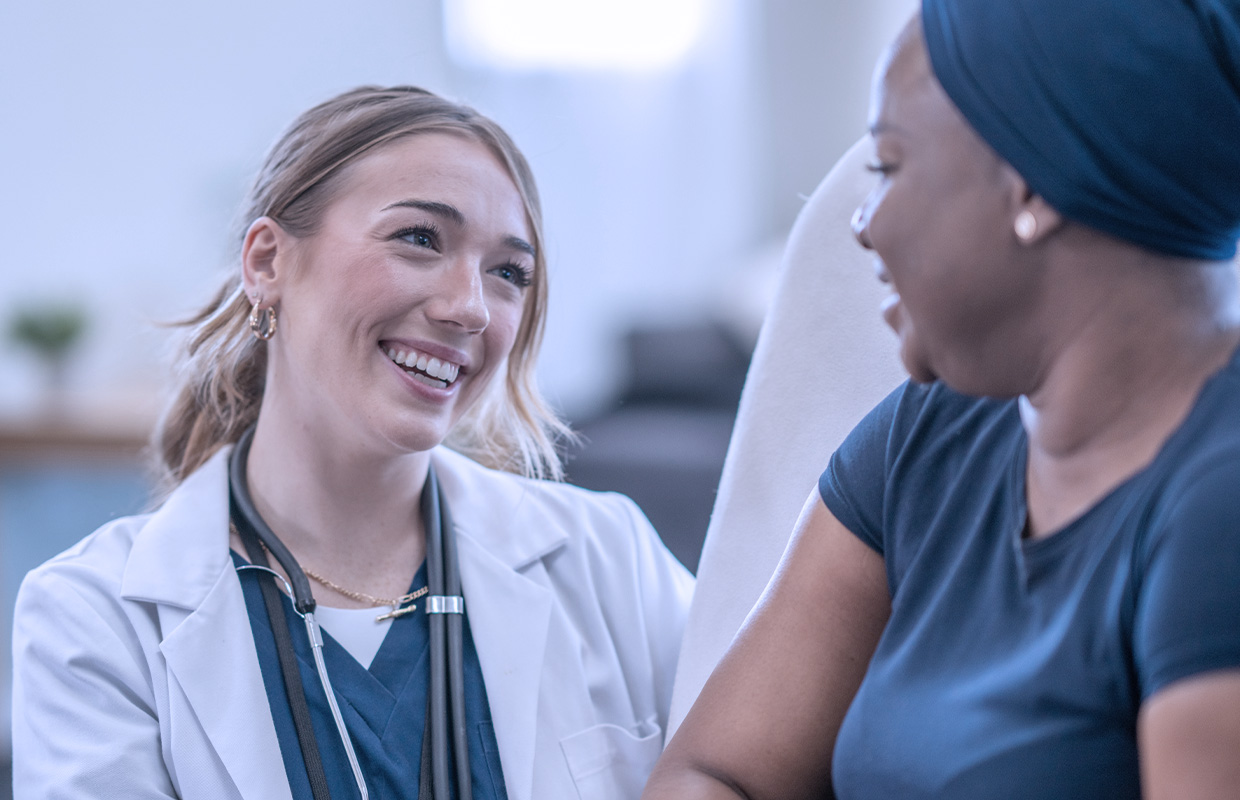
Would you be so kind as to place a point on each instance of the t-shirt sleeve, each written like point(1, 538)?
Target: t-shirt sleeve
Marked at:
point(1188, 606)
point(855, 480)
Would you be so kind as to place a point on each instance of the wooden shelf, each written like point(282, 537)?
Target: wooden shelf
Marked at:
point(73, 433)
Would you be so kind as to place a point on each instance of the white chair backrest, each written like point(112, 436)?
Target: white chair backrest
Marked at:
point(823, 359)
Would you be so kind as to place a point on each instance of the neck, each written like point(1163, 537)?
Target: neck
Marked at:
point(1132, 349)
point(342, 511)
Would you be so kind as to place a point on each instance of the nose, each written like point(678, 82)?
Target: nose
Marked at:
point(460, 299)
point(861, 226)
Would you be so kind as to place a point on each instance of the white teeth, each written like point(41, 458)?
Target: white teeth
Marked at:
point(417, 376)
point(443, 371)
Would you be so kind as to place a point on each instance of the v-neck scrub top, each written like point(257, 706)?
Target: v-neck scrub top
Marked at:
point(1015, 668)
point(384, 707)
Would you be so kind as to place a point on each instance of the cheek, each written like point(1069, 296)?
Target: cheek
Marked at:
point(903, 232)
point(506, 316)
point(501, 336)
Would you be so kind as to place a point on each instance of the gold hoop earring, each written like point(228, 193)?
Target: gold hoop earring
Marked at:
point(263, 322)
point(1026, 226)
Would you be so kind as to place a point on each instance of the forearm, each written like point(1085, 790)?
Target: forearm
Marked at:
point(678, 777)
point(674, 781)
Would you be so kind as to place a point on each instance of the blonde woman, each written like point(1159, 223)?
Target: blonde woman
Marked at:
point(339, 606)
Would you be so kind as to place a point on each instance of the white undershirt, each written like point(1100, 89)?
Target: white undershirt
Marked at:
point(355, 629)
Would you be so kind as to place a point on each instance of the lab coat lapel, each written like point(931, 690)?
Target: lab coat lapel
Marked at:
point(508, 616)
point(509, 612)
point(211, 657)
point(207, 643)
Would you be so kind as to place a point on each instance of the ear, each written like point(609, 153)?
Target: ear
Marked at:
point(1026, 205)
point(265, 257)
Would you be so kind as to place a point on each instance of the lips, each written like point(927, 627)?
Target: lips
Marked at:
point(890, 308)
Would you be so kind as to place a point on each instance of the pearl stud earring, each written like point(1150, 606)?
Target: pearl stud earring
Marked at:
point(1026, 226)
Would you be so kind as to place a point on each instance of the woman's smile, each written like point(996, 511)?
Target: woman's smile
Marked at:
point(430, 370)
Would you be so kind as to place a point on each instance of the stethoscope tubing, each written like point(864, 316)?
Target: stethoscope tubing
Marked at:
point(445, 612)
point(316, 645)
point(303, 597)
point(456, 655)
point(436, 623)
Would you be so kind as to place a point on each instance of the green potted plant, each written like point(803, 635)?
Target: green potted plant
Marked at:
point(50, 330)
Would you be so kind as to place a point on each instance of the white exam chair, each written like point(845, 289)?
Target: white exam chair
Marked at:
point(823, 359)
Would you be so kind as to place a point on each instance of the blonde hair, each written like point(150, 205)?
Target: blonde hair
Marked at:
point(223, 367)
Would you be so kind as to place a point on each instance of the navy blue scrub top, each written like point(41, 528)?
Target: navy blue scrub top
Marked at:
point(384, 707)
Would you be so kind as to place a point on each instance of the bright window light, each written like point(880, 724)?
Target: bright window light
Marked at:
point(559, 34)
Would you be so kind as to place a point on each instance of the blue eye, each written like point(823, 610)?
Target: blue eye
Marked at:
point(420, 236)
point(514, 273)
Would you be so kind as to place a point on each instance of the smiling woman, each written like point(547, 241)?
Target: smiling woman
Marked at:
point(511, 428)
point(472, 629)
point(425, 250)
point(1016, 577)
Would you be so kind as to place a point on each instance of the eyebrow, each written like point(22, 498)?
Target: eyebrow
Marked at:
point(448, 212)
point(517, 243)
point(454, 215)
point(882, 126)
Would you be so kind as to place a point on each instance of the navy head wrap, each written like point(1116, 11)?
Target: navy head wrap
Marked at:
point(1122, 114)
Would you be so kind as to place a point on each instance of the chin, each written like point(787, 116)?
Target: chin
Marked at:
point(973, 382)
point(415, 437)
point(916, 364)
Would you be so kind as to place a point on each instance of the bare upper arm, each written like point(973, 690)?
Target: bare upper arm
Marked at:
point(1189, 739)
point(766, 720)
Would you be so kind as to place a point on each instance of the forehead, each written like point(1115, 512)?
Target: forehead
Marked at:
point(437, 167)
point(910, 109)
point(904, 83)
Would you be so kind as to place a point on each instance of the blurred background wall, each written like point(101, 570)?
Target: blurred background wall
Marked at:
point(669, 180)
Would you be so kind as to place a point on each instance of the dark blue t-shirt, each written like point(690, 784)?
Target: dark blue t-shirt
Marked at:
point(1015, 668)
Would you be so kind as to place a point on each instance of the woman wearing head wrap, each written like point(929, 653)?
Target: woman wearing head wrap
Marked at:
point(1018, 576)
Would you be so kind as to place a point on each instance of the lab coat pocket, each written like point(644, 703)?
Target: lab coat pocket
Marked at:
point(610, 762)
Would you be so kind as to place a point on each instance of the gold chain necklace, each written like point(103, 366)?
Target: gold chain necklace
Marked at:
point(362, 597)
point(397, 604)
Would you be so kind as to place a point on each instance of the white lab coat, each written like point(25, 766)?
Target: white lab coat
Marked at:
point(136, 676)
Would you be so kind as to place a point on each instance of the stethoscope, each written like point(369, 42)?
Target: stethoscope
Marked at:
point(445, 606)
